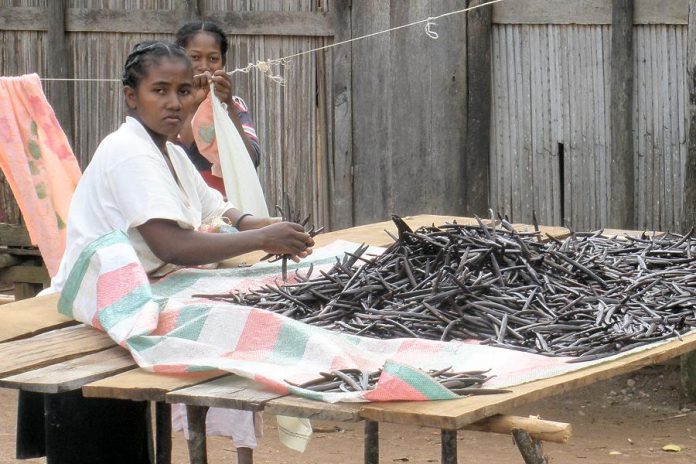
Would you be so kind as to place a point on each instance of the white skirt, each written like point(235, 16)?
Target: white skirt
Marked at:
point(244, 427)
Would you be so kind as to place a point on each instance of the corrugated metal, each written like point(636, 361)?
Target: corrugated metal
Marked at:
point(551, 87)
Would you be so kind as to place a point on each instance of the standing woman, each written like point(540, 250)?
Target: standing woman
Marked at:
point(206, 45)
point(142, 184)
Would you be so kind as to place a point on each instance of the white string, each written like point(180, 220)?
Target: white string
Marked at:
point(265, 66)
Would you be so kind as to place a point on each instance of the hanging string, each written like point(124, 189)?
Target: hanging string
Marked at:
point(266, 66)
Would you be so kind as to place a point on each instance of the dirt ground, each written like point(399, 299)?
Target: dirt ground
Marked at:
point(625, 420)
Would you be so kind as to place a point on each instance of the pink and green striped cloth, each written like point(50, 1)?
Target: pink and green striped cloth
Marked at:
point(168, 330)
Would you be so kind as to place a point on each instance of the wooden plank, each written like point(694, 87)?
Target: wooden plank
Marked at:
point(372, 101)
point(690, 164)
point(141, 385)
point(26, 318)
point(50, 348)
point(231, 392)
point(342, 155)
point(29, 274)
point(586, 12)
point(478, 113)
point(281, 23)
point(189, 9)
point(410, 125)
point(60, 65)
point(455, 414)
point(73, 374)
point(300, 407)
point(24, 290)
point(448, 112)
point(14, 235)
point(557, 432)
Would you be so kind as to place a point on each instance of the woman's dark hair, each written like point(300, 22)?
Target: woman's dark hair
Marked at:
point(144, 55)
point(189, 30)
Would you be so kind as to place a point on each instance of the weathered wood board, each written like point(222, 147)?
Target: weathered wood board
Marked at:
point(232, 392)
point(455, 414)
point(30, 317)
point(73, 374)
point(50, 348)
point(141, 385)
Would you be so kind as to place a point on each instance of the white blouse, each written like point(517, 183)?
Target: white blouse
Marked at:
point(127, 183)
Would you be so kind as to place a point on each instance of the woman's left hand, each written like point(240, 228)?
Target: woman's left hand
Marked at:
point(223, 85)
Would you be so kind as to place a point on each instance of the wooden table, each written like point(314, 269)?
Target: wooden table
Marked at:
point(76, 356)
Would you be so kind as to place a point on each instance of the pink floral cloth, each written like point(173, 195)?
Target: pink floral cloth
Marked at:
point(38, 163)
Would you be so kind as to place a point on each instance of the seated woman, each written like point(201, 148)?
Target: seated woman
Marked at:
point(206, 45)
point(144, 185)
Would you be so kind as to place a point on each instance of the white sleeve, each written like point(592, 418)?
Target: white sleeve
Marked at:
point(143, 190)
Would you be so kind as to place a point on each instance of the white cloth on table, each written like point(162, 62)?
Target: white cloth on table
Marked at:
point(127, 183)
point(244, 427)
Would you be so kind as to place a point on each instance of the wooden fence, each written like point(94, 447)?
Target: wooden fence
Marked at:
point(511, 107)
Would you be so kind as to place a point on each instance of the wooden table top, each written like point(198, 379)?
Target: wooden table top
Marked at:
point(72, 357)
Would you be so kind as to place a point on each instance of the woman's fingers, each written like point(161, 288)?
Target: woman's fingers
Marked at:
point(223, 85)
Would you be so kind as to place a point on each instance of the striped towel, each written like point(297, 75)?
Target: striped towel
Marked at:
point(169, 330)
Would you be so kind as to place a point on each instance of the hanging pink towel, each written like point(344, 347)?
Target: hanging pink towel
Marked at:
point(37, 161)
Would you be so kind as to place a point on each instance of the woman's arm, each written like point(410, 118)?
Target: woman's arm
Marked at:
point(185, 247)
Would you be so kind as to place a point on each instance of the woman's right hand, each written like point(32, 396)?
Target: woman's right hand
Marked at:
point(286, 238)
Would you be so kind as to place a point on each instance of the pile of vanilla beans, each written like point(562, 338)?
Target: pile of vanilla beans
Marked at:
point(586, 296)
point(355, 380)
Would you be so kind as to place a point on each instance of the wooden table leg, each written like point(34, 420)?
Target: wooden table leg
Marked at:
point(163, 433)
point(529, 448)
point(198, 453)
point(371, 442)
point(448, 439)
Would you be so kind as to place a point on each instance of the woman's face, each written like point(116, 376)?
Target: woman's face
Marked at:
point(204, 51)
point(163, 98)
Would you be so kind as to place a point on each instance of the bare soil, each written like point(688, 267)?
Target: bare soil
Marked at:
point(628, 419)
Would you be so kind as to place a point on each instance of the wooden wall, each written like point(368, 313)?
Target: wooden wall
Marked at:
point(291, 120)
point(551, 130)
point(408, 111)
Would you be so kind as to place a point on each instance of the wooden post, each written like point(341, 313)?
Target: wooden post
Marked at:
point(689, 220)
point(621, 204)
point(163, 433)
point(60, 64)
point(478, 118)
point(530, 449)
point(448, 446)
point(341, 163)
point(195, 415)
point(371, 442)
point(189, 9)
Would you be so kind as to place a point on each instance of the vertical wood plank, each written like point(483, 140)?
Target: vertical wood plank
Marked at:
point(60, 65)
point(622, 166)
point(478, 117)
point(448, 84)
point(372, 106)
point(411, 109)
point(341, 165)
point(690, 163)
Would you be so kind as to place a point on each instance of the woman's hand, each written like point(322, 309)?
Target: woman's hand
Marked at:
point(256, 222)
point(287, 238)
point(223, 86)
